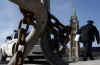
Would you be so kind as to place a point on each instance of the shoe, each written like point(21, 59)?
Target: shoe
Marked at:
point(84, 59)
point(92, 59)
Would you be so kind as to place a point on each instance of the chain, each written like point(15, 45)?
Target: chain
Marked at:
point(22, 32)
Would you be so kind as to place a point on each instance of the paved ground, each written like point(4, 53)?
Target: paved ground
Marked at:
point(93, 62)
point(24, 64)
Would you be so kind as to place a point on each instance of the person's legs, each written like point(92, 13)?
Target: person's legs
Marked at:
point(85, 55)
point(90, 51)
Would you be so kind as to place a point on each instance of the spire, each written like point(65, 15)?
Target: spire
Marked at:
point(73, 12)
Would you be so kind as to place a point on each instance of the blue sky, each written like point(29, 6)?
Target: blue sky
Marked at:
point(62, 9)
point(9, 17)
point(88, 10)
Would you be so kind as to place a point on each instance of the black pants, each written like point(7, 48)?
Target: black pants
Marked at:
point(88, 51)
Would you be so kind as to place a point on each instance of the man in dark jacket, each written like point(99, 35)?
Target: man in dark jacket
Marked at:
point(88, 33)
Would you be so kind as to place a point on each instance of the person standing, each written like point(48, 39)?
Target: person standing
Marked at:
point(88, 33)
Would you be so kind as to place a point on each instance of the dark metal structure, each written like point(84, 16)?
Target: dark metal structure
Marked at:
point(36, 13)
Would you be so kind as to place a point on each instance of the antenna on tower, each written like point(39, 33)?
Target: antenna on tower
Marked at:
point(73, 12)
point(73, 8)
